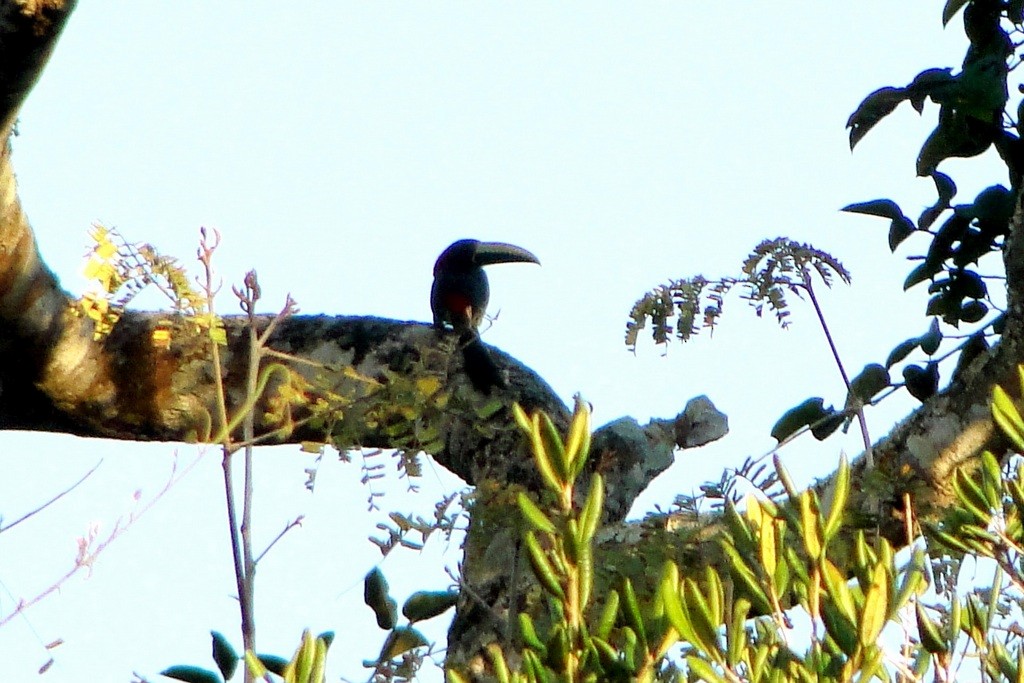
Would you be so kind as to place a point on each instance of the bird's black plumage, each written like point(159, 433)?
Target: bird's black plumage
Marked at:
point(459, 298)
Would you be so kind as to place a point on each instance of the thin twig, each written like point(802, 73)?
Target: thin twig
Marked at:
point(248, 431)
point(53, 500)
point(288, 527)
point(86, 559)
point(861, 419)
point(224, 438)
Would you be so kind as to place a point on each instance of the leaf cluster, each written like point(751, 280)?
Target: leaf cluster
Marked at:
point(404, 646)
point(307, 665)
point(773, 269)
point(119, 271)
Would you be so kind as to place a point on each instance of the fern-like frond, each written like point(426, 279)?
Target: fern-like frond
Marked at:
point(774, 269)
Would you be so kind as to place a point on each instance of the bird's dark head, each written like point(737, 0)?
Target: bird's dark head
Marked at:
point(465, 255)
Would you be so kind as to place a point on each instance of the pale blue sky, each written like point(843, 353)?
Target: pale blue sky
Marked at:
point(339, 147)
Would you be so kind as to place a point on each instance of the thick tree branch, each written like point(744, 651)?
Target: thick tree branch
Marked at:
point(28, 32)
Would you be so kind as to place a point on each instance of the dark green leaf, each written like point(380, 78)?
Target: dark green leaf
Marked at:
point(968, 284)
point(981, 87)
point(930, 215)
point(921, 383)
point(224, 655)
point(823, 429)
point(873, 109)
point(973, 311)
point(428, 604)
point(934, 83)
point(952, 230)
point(871, 380)
point(375, 594)
point(944, 186)
point(973, 246)
point(899, 230)
point(901, 351)
point(327, 637)
point(808, 412)
point(900, 227)
point(883, 208)
point(274, 664)
point(925, 271)
point(957, 135)
point(946, 189)
point(931, 339)
point(401, 640)
point(994, 205)
point(945, 305)
point(191, 674)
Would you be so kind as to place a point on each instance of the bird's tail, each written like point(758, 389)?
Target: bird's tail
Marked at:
point(481, 369)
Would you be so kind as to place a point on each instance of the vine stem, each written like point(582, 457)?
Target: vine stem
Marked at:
point(861, 419)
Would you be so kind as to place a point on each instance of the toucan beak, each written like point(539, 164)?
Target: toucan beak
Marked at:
point(499, 252)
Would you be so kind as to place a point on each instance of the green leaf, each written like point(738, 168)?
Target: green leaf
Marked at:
point(529, 633)
point(593, 507)
point(497, 657)
point(542, 568)
point(873, 109)
point(375, 594)
point(981, 86)
point(993, 205)
point(842, 629)
point(608, 615)
point(871, 380)
point(934, 83)
point(883, 208)
point(798, 417)
point(928, 630)
point(401, 640)
point(256, 667)
point(533, 515)
point(876, 606)
point(423, 605)
point(554, 447)
point(958, 134)
point(1006, 415)
point(669, 595)
point(931, 339)
point(224, 655)
point(191, 674)
point(327, 637)
point(901, 351)
point(925, 271)
point(634, 616)
point(703, 670)
point(273, 663)
point(840, 493)
point(944, 186)
point(991, 480)
point(822, 429)
point(577, 446)
point(973, 311)
point(921, 383)
point(971, 498)
point(701, 616)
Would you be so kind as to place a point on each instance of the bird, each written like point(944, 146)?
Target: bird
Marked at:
point(458, 298)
